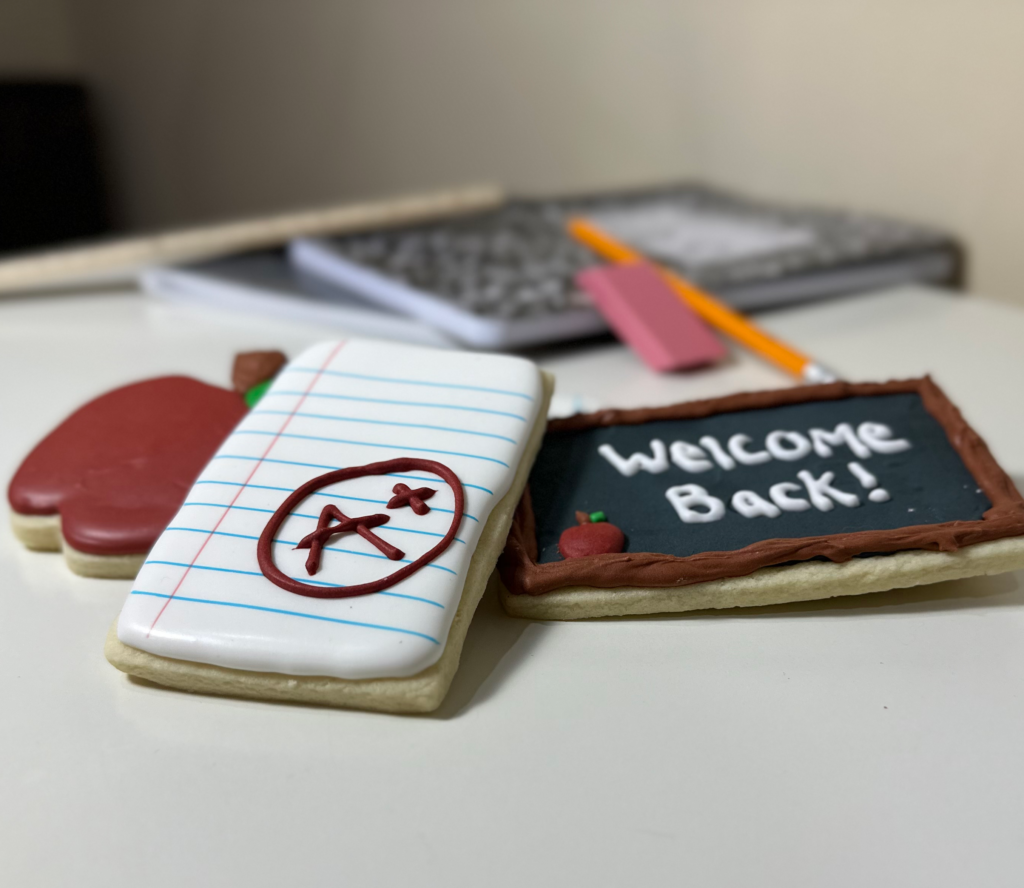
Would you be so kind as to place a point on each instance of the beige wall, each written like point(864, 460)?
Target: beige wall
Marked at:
point(240, 106)
point(914, 107)
point(218, 107)
point(36, 39)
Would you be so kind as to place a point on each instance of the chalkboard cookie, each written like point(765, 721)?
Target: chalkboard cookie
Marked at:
point(335, 547)
point(102, 486)
point(759, 498)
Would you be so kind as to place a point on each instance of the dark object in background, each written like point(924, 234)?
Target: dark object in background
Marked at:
point(51, 188)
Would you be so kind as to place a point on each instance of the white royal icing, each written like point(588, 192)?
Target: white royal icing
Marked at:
point(737, 445)
point(869, 482)
point(788, 446)
point(201, 595)
point(878, 436)
point(796, 446)
point(780, 496)
point(629, 466)
point(865, 477)
point(689, 457)
point(824, 495)
point(694, 505)
point(824, 440)
point(711, 445)
point(751, 505)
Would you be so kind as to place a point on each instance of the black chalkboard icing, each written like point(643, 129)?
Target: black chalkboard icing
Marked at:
point(927, 483)
point(914, 452)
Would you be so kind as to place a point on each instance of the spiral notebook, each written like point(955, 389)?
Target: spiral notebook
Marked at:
point(505, 277)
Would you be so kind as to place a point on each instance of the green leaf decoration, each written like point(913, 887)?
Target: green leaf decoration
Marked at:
point(252, 397)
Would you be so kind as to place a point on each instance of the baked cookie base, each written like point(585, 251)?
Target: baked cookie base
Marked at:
point(41, 533)
point(809, 581)
point(422, 692)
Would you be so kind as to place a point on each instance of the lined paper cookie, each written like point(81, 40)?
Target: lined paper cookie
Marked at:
point(334, 549)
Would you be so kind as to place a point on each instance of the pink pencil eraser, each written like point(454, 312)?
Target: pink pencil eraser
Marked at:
point(643, 311)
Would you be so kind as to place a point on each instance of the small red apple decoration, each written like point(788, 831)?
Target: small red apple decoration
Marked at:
point(592, 536)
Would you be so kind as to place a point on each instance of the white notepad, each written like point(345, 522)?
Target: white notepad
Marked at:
point(202, 596)
point(320, 258)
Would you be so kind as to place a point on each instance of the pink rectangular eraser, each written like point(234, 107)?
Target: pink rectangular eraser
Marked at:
point(641, 309)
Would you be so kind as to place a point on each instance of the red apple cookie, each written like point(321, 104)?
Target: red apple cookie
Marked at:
point(103, 484)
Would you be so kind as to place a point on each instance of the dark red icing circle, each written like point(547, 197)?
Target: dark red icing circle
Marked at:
point(264, 548)
point(118, 468)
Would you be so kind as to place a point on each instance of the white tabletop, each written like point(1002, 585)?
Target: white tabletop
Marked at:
point(871, 741)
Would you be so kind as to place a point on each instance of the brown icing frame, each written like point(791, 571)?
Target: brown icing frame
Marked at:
point(524, 576)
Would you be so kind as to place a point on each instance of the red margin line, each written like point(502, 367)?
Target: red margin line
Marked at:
point(238, 493)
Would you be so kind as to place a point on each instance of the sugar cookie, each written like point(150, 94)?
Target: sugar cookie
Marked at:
point(759, 498)
point(334, 549)
point(104, 484)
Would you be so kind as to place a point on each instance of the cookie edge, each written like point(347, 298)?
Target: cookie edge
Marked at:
point(42, 533)
point(809, 581)
point(38, 533)
point(420, 693)
point(1005, 518)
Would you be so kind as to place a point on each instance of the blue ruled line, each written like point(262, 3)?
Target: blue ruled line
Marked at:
point(289, 462)
point(383, 422)
point(297, 579)
point(287, 613)
point(368, 444)
point(398, 403)
point(229, 506)
point(388, 526)
point(421, 478)
point(245, 536)
point(229, 570)
point(310, 582)
point(370, 555)
point(283, 462)
point(363, 554)
point(239, 484)
point(304, 515)
point(223, 533)
point(449, 385)
point(358, 499)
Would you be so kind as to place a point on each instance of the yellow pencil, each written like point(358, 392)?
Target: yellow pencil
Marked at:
point(714, 312)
